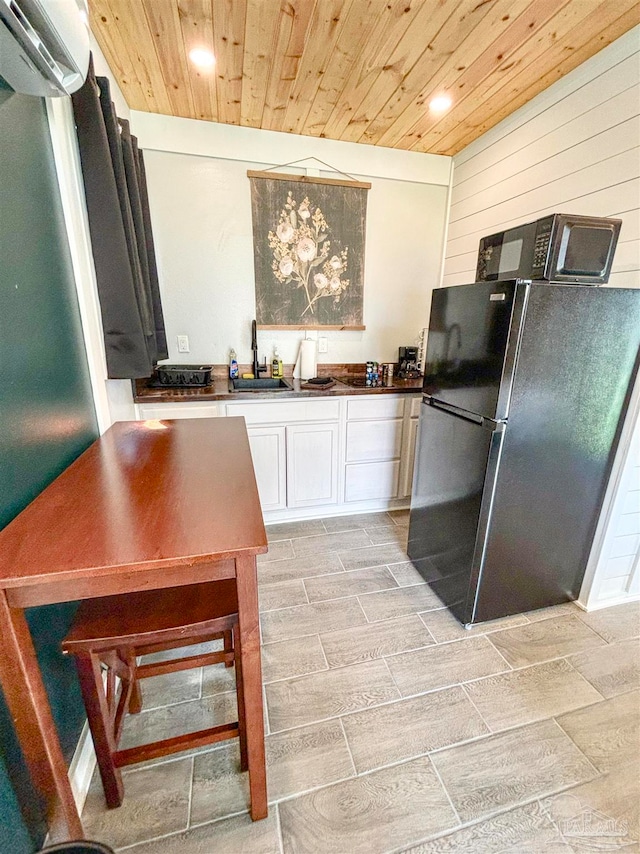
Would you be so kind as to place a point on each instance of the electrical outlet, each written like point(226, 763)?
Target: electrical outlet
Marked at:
point(183, 343)
point(323, 345)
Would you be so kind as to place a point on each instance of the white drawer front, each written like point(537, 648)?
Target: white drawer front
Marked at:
point(384, 406)
point(371, 480)
point(286, 411)
point(160, 411)
point(374, 440)
point(415, 406)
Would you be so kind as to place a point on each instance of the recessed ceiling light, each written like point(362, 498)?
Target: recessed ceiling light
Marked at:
point(202, 58)
point(440, 103)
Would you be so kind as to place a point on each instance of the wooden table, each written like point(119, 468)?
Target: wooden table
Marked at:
point(151, 504)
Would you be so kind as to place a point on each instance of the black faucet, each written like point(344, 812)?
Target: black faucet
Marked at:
point(257, 369)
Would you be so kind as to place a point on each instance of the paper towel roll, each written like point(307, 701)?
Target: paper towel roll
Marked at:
point(307, 359)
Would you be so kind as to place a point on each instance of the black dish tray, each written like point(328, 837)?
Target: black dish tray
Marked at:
point(320, 381)
point(181, 376)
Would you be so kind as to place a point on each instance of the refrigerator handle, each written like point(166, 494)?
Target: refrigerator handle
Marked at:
point(486, 423)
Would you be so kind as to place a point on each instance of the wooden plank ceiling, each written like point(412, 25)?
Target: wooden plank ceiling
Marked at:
point(356, 70)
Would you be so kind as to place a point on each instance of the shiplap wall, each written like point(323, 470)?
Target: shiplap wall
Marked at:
point(573, 149)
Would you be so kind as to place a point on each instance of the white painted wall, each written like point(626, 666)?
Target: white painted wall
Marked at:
point(573, 149)
point(201, 213)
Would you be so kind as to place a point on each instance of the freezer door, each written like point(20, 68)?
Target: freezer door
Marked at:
point(453, 482)
point(471, 345)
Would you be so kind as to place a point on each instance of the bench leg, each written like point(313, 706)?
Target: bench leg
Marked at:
point(95, 701)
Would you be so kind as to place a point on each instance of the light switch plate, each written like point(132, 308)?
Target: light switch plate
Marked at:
point(183, 343)
point(323, 345)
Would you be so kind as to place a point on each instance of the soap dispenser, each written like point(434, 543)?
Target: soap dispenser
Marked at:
point(233, 365)
point(276, 365)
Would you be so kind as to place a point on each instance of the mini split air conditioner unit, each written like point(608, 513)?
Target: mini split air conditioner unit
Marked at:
point(44, 45)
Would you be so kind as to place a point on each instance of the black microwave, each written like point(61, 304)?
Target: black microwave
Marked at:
point(556, 248)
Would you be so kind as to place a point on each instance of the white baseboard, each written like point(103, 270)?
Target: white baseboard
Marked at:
point(599, 604)
point(82, 767)
point(324, 511)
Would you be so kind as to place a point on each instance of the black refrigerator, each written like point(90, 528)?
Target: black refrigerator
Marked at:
point(525, 390)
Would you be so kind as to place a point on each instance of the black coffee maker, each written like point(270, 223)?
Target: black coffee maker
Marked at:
point(408, 363)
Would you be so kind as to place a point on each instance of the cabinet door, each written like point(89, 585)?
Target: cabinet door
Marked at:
point(312, 464)
point(408, 459)
point(270, 465)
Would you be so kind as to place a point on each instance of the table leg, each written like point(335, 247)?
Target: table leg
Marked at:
point(28, 704)
point(247, 584)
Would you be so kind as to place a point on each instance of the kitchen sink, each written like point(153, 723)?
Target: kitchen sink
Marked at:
point(261, 384)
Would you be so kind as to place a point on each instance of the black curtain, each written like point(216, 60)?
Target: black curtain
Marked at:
point(121, 237)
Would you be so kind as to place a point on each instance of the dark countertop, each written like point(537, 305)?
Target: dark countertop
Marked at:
point(219, 390)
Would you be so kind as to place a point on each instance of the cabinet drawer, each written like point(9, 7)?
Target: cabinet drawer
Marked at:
point(160, 411)
point(286, 411)
point(375, 407)
point(371, 480)
point(415, 406)
point(374, 440)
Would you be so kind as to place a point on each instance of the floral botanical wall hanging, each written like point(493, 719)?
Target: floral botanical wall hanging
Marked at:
point(308, 244)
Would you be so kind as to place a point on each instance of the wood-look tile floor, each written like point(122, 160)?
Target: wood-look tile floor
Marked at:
point(391, 728)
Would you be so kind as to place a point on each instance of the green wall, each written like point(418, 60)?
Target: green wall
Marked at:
point(47, 416)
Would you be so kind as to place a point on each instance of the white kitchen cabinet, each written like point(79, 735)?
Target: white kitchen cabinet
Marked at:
point(286, 410)
point(306, 470)
point(372, 481)
point(414, 406)
point(312, 464)
point(375, 445)
point(371, 408)
point(374, 440)
point(347, 454)
point(164, 411)
point(408, 458)
point(268, 451)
